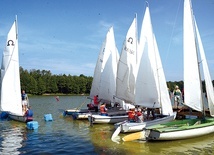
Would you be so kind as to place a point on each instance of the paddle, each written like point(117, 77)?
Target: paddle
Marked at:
point(116, 132)
point(134, 136)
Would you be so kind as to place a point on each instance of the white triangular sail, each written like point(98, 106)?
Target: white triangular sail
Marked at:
point(150, 83)
point(192, 81)
point(126, 71)
point(98, 70)
point(108, 76)
point(193, 48)
point(208, 81)
point(10, 77)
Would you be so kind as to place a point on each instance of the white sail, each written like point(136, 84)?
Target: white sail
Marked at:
point(10, 77)
point(126, 71)
point(208, 81)
point(166, 105)
point(108, 76)
point(151, 89)
point(98, 70)
point(192, 81)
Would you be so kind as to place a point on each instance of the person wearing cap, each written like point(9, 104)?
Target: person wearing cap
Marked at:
point(177, 96)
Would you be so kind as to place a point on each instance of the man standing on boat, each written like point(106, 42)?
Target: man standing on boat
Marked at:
point(177, 96)
point(25, 103)
point(96, 103)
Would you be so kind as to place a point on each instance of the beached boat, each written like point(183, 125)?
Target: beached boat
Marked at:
point(151, 89)
point(189, 128)
point(11, 102)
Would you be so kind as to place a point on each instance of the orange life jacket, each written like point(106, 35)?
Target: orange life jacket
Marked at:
point(102, 109)
point(131, 115)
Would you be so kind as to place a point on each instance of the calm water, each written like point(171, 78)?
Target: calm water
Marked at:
point(66, 136)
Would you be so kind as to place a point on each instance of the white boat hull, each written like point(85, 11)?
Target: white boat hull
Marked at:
point(71, 111)
point(182, 132)
point(19, 118)
point(82, 115)
point(134, 126)
point(106, 119)
point(185, 134)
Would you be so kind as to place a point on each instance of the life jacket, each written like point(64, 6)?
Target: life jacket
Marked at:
point(177, 92)
point(131, 115)
point(96, 100)
point(29, 113)
point(24, 97)
point(139, 113)
point(102, 109)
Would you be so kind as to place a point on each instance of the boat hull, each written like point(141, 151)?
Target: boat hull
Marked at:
point(183, 129)
point(134, 126)
point(82, 115)
point(106, 119)
point(71, 111)
point(20, 118)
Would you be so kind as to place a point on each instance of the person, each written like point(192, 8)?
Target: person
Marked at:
point(149, 110)
point(96, 103)
point(139, 116)
point(25, 103)
point(29, 114)
point(177, 96)
point(131, 115)
point(103, 109)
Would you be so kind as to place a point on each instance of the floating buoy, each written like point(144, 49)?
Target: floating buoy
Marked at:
point(48, 117)
point(32, 125)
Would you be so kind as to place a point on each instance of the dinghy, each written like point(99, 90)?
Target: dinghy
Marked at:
point(11, 102)
point(193, 48)
point(151, 89)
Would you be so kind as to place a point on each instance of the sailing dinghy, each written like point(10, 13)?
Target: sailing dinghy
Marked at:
point(151, 90)
point(107, 84)
point(11, 101)
point(193, 48)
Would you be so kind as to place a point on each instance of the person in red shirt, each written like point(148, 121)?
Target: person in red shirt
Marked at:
point(96, 103)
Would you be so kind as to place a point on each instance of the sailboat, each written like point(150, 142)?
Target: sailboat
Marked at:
point(107, 84)
point(78, 113)
point(126, 71)
point(151, 90)
point(192, 48)
point(10, 78)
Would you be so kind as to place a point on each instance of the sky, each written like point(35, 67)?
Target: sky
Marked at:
point(65, 36)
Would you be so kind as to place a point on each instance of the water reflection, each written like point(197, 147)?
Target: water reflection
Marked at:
point(11, 141)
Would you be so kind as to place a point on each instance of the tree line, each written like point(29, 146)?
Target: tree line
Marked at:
point(38, 82)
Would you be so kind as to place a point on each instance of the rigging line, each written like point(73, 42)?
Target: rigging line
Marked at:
point(167, 54)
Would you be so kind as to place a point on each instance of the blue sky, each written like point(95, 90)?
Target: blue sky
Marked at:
point(65, 36)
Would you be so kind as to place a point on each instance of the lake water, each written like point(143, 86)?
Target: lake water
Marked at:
point(64, 135)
